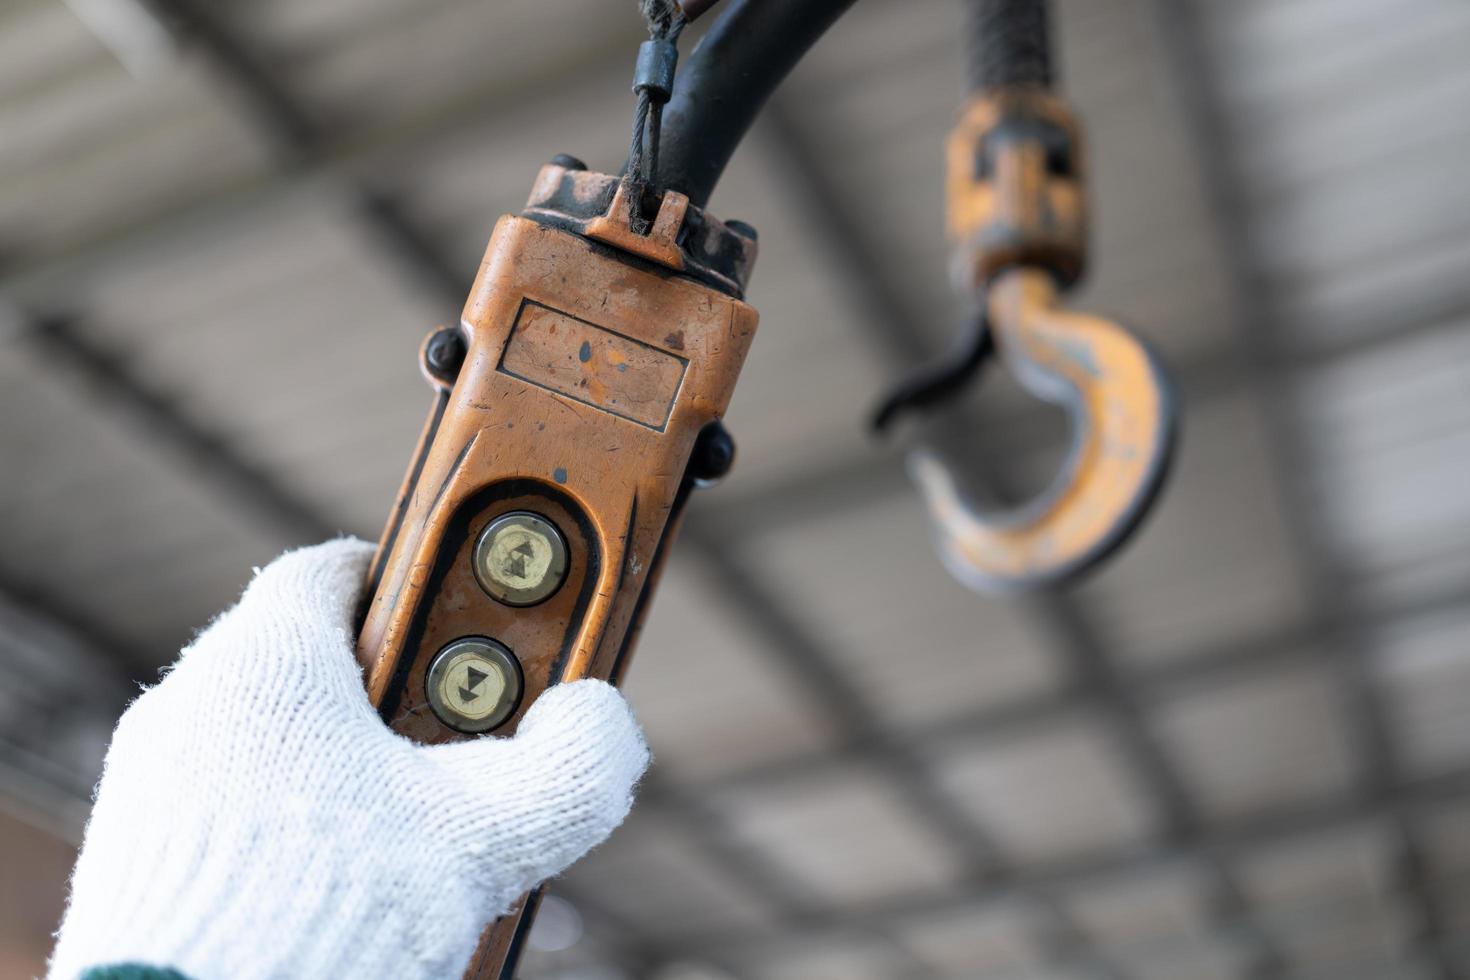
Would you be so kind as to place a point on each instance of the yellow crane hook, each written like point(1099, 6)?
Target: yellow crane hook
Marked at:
point(1018, 222)
point(1122, 419)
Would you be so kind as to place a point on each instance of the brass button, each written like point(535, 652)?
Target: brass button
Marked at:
point(474, 684)
point(520, 558)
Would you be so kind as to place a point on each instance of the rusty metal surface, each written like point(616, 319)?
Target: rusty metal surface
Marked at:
point(586, 382)
point(1016, 187)
point(1123, 422)
point(1017, 213)
point(706, 248)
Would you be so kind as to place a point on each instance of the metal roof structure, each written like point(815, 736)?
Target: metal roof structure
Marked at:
point(1242, 750)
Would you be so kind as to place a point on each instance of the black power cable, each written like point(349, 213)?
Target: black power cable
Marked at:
point(748, 50)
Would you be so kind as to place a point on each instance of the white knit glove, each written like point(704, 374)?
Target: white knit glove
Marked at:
point(256, 818)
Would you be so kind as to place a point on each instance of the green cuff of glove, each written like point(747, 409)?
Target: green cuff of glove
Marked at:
point(131, 971)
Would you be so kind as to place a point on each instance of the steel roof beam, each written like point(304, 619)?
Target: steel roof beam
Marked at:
point(1227, 841)
point(1267, 347)
point(299, 139)
point(891, 323)
point(66, 346)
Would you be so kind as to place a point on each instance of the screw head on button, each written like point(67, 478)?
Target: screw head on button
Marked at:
point(474, 684)
point(520, 558)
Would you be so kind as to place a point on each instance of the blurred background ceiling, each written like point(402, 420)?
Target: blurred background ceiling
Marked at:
point(1242, 750)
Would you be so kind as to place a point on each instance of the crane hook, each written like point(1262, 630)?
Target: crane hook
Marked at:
point(1121, 409)
point(1018, 218)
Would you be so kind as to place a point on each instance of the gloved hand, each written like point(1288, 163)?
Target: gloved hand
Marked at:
point(256, 818)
